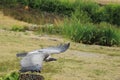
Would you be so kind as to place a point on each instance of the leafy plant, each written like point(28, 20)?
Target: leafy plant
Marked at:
point(12, 76)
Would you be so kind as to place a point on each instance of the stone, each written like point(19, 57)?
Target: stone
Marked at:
point(30, 77)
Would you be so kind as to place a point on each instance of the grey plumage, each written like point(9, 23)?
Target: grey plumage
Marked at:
point(32, 61)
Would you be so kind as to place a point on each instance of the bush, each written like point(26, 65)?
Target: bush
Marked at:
point(83, 17)
point(57, 7)
point(113, 14)
point(54, 6)
point(108, 13)
point(110, 35)
point(100, 15)
point(88, 8)
point(8, 3)
point(91, 10)
point(31, 3)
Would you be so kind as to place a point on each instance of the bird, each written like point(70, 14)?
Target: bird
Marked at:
point(32, 61)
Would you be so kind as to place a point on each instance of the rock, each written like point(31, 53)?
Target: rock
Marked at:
point(30, 77)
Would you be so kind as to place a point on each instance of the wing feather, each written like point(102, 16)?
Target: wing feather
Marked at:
point(55, 50)
point(31, 60)
point(21, 54)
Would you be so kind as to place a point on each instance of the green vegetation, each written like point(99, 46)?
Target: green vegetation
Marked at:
point(19, 28)
point(83, 20)
point(90, 34)
point(11, 76)
point(96, 13)
point(103, 34)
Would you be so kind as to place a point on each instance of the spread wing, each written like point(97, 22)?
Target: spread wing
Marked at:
point(49, 50)
point(56, 49)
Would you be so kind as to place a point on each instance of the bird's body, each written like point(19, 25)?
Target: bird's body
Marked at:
point(32, 61)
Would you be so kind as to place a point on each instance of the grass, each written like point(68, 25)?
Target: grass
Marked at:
point(10, 21)
point(82, 20)
point(103, 34)
point(69, 65)
point(94, 63)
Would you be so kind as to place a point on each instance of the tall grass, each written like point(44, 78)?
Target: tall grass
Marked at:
point(88, 33)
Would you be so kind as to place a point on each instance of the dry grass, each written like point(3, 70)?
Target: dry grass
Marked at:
point(107, 1)
point(7, 21)
point(71, 65)
point(32, 16)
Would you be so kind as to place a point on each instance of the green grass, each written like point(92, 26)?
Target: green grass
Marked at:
point(12, 76)
point(103, 34)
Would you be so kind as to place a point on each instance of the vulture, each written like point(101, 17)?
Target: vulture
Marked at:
point(32, 61)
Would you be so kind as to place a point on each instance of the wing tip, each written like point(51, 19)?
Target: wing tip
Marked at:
point(65, 47)
point(21, 54)
point(68, 44)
